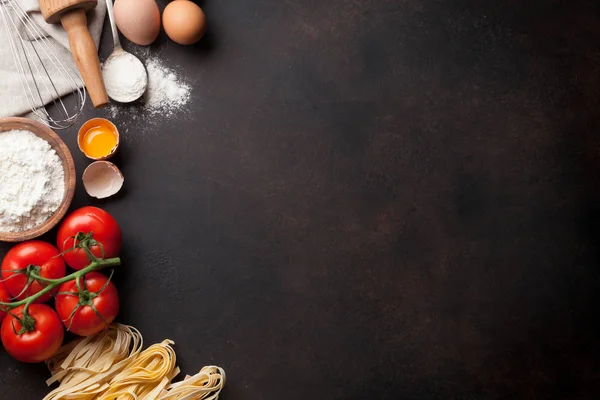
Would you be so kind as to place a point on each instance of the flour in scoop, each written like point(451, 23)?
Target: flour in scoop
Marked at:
point(32, 181)
point(167, 95)
point(125, 77)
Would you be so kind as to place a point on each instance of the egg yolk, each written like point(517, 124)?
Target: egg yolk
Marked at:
point(98, 141)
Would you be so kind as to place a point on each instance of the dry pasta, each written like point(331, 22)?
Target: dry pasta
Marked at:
point(85, 366)
point(146, 376)
point(112, 366)
point(205, 385)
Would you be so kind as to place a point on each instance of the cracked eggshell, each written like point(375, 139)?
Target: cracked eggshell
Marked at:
point(102, 179)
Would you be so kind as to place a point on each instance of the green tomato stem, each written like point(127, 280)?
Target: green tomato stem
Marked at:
point(53, 283)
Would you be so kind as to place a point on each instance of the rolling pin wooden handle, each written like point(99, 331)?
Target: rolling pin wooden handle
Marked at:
point(85, 54)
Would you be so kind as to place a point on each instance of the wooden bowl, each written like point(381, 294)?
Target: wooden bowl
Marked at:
point(42, 131)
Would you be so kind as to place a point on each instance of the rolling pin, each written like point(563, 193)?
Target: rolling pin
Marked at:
point(71, 14)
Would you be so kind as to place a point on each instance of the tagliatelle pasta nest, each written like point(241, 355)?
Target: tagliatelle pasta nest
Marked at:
point(112, 366)
point(205, 385)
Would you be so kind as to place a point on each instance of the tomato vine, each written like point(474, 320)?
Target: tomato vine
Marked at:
point(96, 264)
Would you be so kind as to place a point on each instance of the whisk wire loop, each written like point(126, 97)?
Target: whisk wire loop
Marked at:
point(38, 66)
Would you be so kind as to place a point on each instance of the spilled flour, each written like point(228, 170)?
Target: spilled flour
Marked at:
point(166, 92)
point(166, 95)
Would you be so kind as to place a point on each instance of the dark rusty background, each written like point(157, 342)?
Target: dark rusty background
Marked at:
point(385, 199)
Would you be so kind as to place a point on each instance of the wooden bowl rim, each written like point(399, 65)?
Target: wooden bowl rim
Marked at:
point(65, 156)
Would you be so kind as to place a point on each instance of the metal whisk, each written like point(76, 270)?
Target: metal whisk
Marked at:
point(37, 65)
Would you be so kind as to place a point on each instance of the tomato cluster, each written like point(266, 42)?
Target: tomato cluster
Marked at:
point(85, 305)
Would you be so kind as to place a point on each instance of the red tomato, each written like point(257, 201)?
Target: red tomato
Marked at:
point(93, 225)
point(21, 260)
point(41, 342)
point(4, 298)
point(76, 311)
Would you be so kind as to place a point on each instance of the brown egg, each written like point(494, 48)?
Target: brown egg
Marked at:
point(138, 20)
point(184, 22)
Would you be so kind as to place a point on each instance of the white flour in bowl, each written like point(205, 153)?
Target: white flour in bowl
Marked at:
point(32, 181)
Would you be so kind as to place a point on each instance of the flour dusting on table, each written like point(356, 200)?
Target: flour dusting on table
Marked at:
point(166, 95)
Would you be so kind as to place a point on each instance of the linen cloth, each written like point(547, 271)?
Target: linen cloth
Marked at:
point(13, 101)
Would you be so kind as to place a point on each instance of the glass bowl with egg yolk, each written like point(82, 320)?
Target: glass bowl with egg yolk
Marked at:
point(98, 139)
